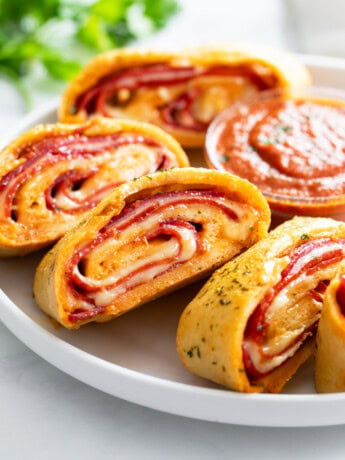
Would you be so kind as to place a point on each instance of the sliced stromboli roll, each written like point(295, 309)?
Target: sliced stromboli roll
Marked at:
point(148, 237)
point(181, 92)
point(254, 322)
point(51, 175)
point(330, 341)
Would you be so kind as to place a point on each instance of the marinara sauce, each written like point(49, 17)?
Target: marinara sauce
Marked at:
point(292, 148)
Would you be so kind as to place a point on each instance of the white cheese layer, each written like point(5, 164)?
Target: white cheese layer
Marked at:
point(171, 252)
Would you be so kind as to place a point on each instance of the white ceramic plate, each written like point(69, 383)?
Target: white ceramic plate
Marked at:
point(134, 356)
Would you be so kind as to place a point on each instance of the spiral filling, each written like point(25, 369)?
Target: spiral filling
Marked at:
point(87, 168)
point(289, 312)
point(185, 97)
point(159, 242)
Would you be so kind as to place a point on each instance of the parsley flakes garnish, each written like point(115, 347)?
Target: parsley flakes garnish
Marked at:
point(284, 128)
point(269, 141)
point(305, 237)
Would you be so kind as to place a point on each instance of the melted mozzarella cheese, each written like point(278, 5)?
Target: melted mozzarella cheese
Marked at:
point(144, 270)
point(267, 365)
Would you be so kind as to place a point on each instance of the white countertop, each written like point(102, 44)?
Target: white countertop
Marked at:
point(45, 414)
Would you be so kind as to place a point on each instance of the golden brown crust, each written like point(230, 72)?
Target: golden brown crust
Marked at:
point(287, 70)
point(330, 352)
point(50, 280)
point(215, 321)
point(27, 234)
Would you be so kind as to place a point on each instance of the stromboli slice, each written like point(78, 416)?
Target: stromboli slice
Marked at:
point(253, 323)
point(148, 237)
point(179, 91)
point(51, 175)
point(330, 340)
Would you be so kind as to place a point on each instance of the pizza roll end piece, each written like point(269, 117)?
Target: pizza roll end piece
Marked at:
point(330, 351)
point(254, 322)
point(148, 237)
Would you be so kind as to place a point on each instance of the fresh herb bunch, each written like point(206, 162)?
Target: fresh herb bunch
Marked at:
point(61, 34)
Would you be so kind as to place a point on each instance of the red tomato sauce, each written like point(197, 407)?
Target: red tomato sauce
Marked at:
point(292, 148)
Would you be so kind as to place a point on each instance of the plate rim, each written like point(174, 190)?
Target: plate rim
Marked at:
point(178, 398)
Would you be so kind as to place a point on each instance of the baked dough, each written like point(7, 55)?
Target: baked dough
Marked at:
point(254, 322)
point(148, 237)
point(330, 352)
point(179, 91)
point(51, 175)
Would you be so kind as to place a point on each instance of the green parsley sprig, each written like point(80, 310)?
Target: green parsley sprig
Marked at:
point(61, 35)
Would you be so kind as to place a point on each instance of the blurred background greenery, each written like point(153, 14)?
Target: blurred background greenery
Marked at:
point(60, 36)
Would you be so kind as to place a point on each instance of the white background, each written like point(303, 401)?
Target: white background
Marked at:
point(45, 414)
